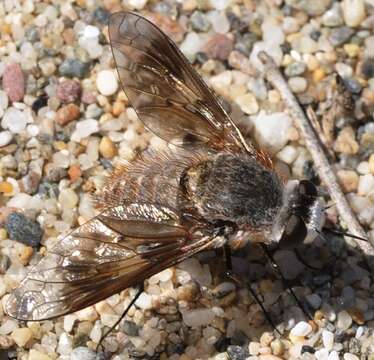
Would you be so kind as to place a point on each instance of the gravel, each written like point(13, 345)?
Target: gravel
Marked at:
point(65, 122)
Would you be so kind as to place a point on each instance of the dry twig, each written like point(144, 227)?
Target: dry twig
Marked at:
point(312, 142)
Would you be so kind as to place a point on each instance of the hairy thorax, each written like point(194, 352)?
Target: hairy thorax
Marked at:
point(235, 188)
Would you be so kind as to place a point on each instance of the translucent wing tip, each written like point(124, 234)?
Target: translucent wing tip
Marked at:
point(22, 305)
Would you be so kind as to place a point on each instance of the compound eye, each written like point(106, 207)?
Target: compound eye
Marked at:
point(307, 188)
point(294, 233)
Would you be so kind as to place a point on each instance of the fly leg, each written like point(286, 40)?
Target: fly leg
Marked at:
point(232, 276)
point(140, 290)
point(284, 280)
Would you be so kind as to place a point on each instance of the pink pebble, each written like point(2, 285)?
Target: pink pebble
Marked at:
point(68, 91)
point(14, 82)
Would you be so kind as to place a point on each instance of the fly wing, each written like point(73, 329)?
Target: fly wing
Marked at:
point(121, 247)
point(166, 92)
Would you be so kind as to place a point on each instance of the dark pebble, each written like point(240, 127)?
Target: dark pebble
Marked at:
point(101, 15)
point(4, 263)
point(236, 23)
point(55, 174)
point(244, 43)
point(40, 102)
point(307, 349)
point(32, 34)
point(130, 328)
point(74, 67)
point(354, 346)
point(315, 35)
point(239, 338)
point(237, 352)
point(199, 22)
point(201, 57)
point(24, 230)
point(367, 68)
point(222, 344)
point(340, 35)
point(49, 189)
point(353, 85)
point(175, 349)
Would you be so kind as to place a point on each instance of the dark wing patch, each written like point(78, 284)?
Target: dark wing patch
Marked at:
point(166, 92)
point(119, 248)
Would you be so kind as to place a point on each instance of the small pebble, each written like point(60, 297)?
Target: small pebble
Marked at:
point(328, 339)
point(199, 22)
point(83, 353)
point(254, 348)
point(107, 148)
point(67, 114)
point(36, 355)
point(340, 35)
point(106, 82)
point(198, 317)
point(365, 184)
point(14, 120)
point(348, 356)
point(322, 354)
point(348, 179)
point(248, 104)
point(14, 82)
point(68, 90)
point(298, 84)
point(346, 142)
point(84, 128)
point(73, 67)
point(237, 352)
point(353, 12)
point(22, 336)
point(5, 138)
point(277, 347)
point(301, 329)
point(344, 320)
point(24, 230)
point(218, 47)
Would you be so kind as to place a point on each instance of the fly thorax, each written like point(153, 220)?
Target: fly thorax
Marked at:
point(235, 188)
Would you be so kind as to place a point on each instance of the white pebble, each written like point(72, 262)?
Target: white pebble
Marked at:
point(137, 4)
point(8, 326)
point(302, 328)
point(322, 354)
point(219, 21)
point(95, 334)
point(69, 321)
point(272, 31)
point(5, 137)
point(248, 104)
point(333, 355)
point(198, 317)
point(365, 184)
point(328, 339)
point(288, 154)
point(106, 82)
point(15, 120)
point(199, 273)
point(91, 32)
point(65, 344)
point(191, 45)
point(144, 301)
point(363, 168)
point(221, 81)
point(353, 12)
point(274, 51)
point(165, 275)
point(84, 128)
point(349, 356)
point(220, 4)
point(271, 131)
point(344, 320)
point(298, 84)
point(83, 353)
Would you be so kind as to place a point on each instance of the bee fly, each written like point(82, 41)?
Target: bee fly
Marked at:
point(164, 207)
